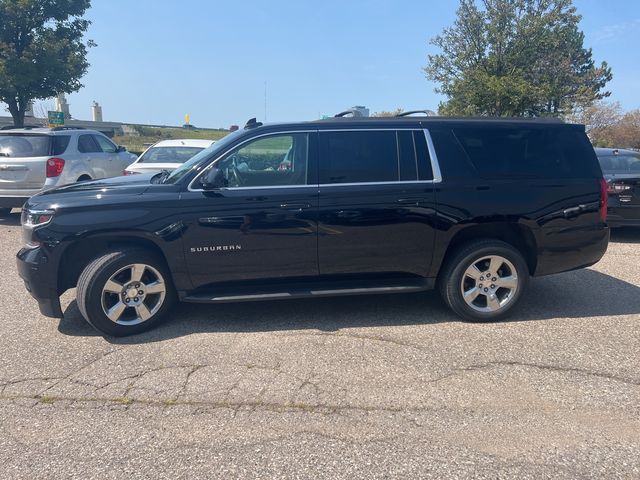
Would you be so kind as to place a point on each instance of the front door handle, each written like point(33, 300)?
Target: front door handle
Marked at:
point(295, 206)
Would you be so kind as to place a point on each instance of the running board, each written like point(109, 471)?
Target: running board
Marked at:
point(222, 296)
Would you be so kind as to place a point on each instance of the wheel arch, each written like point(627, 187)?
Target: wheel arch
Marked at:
point(78, 255)
point(517, 235)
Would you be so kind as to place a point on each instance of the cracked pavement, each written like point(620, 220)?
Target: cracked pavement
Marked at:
point(377, 387)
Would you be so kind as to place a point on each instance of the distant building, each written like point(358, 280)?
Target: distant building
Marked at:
point(96, 112)
point(62, 105)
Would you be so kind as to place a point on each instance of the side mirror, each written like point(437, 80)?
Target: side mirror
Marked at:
point(214, 179)
point(121, 149)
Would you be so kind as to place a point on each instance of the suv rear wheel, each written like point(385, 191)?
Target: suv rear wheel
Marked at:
point(484, 280)
point(125, 292)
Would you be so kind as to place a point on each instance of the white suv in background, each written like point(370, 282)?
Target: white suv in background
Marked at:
point(33, 159)
point(167, 155)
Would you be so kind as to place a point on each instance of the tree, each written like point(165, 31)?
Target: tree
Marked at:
point(515, 58)
point(608, 126)
point(388, 113)
point(42, 52)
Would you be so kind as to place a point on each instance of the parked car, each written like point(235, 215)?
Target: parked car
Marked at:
point(473, 207)
point(166, 155)
point(621, 168)
point(37, 159)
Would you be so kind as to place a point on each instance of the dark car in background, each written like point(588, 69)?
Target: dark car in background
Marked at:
point(621, 168)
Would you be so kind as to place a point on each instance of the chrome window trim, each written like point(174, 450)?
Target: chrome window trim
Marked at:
point(382, 129)
point(399, 182)
point(435, 166)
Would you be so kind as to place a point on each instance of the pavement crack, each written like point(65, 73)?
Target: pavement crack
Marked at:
point(555, 368)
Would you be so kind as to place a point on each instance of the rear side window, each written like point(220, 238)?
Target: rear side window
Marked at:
point(370, 156)
point(620, 163)
point(60, 144)
point(86, 144)
point(521, 152)
point(19, 146)
point(356, 157)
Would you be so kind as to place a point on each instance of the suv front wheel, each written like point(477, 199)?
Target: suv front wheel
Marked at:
point(484, 280)
point(125, 292)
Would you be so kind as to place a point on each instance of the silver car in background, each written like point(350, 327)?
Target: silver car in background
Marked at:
point(33, 159)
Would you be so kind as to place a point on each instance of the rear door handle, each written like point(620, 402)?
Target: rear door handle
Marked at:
point(295, 206)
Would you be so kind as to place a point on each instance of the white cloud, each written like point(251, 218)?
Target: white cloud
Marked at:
point(617, 30)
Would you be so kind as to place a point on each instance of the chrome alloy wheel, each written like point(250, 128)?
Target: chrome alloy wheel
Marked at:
point(133, 294)
point(489, 283)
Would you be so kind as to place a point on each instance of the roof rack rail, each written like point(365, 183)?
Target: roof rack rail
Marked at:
point(57, 129)
point(428, 113)
point(13, 127)
point(252, 123)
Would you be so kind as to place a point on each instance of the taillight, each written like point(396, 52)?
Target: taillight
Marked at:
point(613, 188)
point(604, 199)
point(54, 167)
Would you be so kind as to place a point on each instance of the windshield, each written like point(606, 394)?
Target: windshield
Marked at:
point(17, 146)
point(204, 155)
point(169, 154)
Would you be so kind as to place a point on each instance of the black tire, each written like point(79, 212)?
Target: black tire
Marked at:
point(453, 275)
point(84, 178)
point(5, 212)
point(90, 295)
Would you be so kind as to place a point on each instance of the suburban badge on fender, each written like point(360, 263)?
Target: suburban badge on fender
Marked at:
point(216, 248)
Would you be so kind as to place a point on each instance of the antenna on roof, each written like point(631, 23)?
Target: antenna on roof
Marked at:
point(252, 123)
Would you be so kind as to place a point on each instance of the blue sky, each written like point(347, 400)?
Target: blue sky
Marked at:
point(157, 60)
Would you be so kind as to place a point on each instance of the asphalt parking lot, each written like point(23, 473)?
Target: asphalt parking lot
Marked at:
point(360, 387)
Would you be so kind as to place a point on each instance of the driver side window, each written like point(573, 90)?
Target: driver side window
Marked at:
point(277, 160)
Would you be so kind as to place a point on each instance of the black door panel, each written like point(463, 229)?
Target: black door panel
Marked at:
point(247, 234)
point(376, 228)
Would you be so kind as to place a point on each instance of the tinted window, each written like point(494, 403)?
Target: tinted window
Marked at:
point(407, 156)
point(268, 161)
point(620, 163)
point(60, 144)
point(17, 146)
point(521, 152)
point(169, 154)
point(86, 144)
point(353, 157)
point(454, 163)
point(423, 161)
point(105, 145)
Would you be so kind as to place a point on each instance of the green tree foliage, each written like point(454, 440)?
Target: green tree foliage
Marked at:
point(42, 52)
point(388, 113)
point(515, 58)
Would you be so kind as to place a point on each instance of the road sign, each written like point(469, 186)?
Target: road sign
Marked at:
point(56, 119)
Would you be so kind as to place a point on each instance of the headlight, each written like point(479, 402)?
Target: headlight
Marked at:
point(36, 218)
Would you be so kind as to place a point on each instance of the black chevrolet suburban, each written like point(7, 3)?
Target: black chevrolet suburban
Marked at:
point(473, 207)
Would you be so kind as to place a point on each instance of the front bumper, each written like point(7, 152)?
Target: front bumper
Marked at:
point(40, 280)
